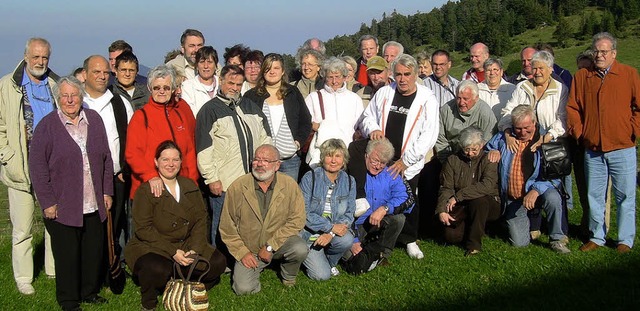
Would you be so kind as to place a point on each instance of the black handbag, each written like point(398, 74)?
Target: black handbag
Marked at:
point(556, 159)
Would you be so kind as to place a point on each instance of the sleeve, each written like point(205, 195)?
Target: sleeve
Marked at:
point(635, 103)
point(143, 215)
point(107, 173)
point(39, 154)
point(447, 185)
point(295, 219)
point(487, 184)
point(190, 161)
point(136, 148)
point(560, 124)
point(372, 114)
point(574, 107)
point(228, 228)
point(6, 153)
point(199, 232)
point(206, 126)
point(347, 217)
point(402, 197)
point(443, 149)
point(427, 132)
point(304, 117)
point(315, 222)
point(515, 100)
point(313, 106)
point(495, 142)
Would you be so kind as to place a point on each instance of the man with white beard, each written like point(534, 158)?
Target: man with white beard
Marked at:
point(25, 98)
point(260, 222)
point(228, 130)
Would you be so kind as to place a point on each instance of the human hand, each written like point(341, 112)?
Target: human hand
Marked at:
point(108, 202)
point(249, 261)
point(156, 186)
point(265, 255)
point(356, 248)
point(120, 177)
point(493, 156)
point(315, 126)
point(216, 188)
point(529, 200)
point(181, 257)
point(511, 143)
point(51, 212)
point(446, 219)
point(339, 229)
point(451, 203)
point(375, 135)
point(376, 217)
point(323, 240)
point(397, 169)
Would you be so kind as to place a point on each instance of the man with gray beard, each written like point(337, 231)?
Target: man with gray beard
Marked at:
point(260, 222)
point(25, 98)
point(228, 130)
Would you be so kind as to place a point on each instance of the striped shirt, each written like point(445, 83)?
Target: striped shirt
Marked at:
point(516, 175)
point(444, 94)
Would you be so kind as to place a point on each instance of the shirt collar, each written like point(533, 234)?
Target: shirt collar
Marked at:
point(99, 103)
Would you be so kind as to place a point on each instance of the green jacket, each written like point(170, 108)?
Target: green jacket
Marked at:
point(14, 170)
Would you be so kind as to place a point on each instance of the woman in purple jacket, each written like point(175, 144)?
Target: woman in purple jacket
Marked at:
point(72, 174)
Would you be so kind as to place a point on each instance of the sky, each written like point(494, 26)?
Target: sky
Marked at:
point(77, 29)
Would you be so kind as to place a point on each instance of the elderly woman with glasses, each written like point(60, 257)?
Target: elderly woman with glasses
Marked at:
point(164, 117)
point(469, 194)
point(334, 109)
point(329, 196)
point(72, 174)
point(494, 90)
point(309, 62)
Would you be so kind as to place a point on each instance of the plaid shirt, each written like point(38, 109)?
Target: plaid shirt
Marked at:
point(516, 176)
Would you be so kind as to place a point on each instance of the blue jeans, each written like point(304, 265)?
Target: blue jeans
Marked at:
point(518, 222)
point(320, 260)
point(621, 166)
point(291, 167)
point(216, 209)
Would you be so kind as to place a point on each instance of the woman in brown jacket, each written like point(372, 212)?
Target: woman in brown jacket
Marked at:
point(469, 195)
point(170, 228)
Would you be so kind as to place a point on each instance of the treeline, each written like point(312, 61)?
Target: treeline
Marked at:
point(457, 25)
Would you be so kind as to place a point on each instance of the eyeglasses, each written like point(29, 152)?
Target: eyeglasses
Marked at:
point(125, 70)
point(438, 65)
point(309, 65)
point(258, 161)
point(373, 161)
point(252, 67)
point(601, 52)
point(165, 88)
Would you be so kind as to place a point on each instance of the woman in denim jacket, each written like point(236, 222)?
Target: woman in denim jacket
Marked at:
point(329, 195)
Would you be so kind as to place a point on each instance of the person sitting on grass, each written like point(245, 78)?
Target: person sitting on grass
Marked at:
point(522, 187)
point(381, 218)
point(468, 192)
point(330, 200)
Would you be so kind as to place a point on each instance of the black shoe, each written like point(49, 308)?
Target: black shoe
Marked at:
point(95, 300)
point(71, 308)
point(471, 252)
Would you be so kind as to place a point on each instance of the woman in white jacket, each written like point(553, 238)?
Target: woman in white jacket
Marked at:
point(335, 110)
point(203, 87)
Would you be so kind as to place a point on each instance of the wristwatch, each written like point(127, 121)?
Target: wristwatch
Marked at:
point(386, 208)
point(269, 248)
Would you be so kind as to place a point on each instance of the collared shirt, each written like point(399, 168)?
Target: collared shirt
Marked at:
point(102, 105)
point(443, 93)
point(264, 198)
point(79, 134)
point(40, 97)
point(516, 175)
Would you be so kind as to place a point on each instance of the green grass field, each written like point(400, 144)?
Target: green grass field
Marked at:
point(502, 277)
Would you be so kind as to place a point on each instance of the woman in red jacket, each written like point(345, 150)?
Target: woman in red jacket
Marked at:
point(162, 118)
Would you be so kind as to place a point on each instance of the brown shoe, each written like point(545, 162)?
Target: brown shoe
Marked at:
point(623, 249)
point(589, 246)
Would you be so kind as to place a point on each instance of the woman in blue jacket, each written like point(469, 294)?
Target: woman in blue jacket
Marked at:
point(329, 194)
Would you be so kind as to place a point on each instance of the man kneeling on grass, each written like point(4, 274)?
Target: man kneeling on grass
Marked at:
point(380, 217)
point(521, 185)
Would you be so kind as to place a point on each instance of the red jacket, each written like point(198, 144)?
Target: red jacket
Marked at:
point(604, 114)
point(150, 126)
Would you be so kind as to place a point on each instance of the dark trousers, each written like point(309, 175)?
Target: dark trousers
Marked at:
point(429, 187)
point(153, 271)
point(78, 252)
point(471, 221)
point(119, 211)
point(357, 166)
point(409, 233)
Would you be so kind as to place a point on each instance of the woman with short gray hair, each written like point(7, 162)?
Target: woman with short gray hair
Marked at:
point(334, 109)
point(495, 90)
point(469, 195)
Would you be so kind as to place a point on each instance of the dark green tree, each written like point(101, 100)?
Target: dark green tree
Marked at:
point(563, 32)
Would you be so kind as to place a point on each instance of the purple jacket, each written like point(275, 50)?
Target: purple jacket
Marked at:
point(55, 165)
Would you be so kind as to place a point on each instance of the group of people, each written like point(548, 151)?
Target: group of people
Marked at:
point(242, 166)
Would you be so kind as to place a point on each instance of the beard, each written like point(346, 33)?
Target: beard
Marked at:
point(233, 96)
point(263, 176)
point(36, 72)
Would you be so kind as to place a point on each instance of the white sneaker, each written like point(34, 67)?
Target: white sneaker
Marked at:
point(535, 234)
point(560, 247)
point(26, 288)
point(334, 271)
point(414, 251)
